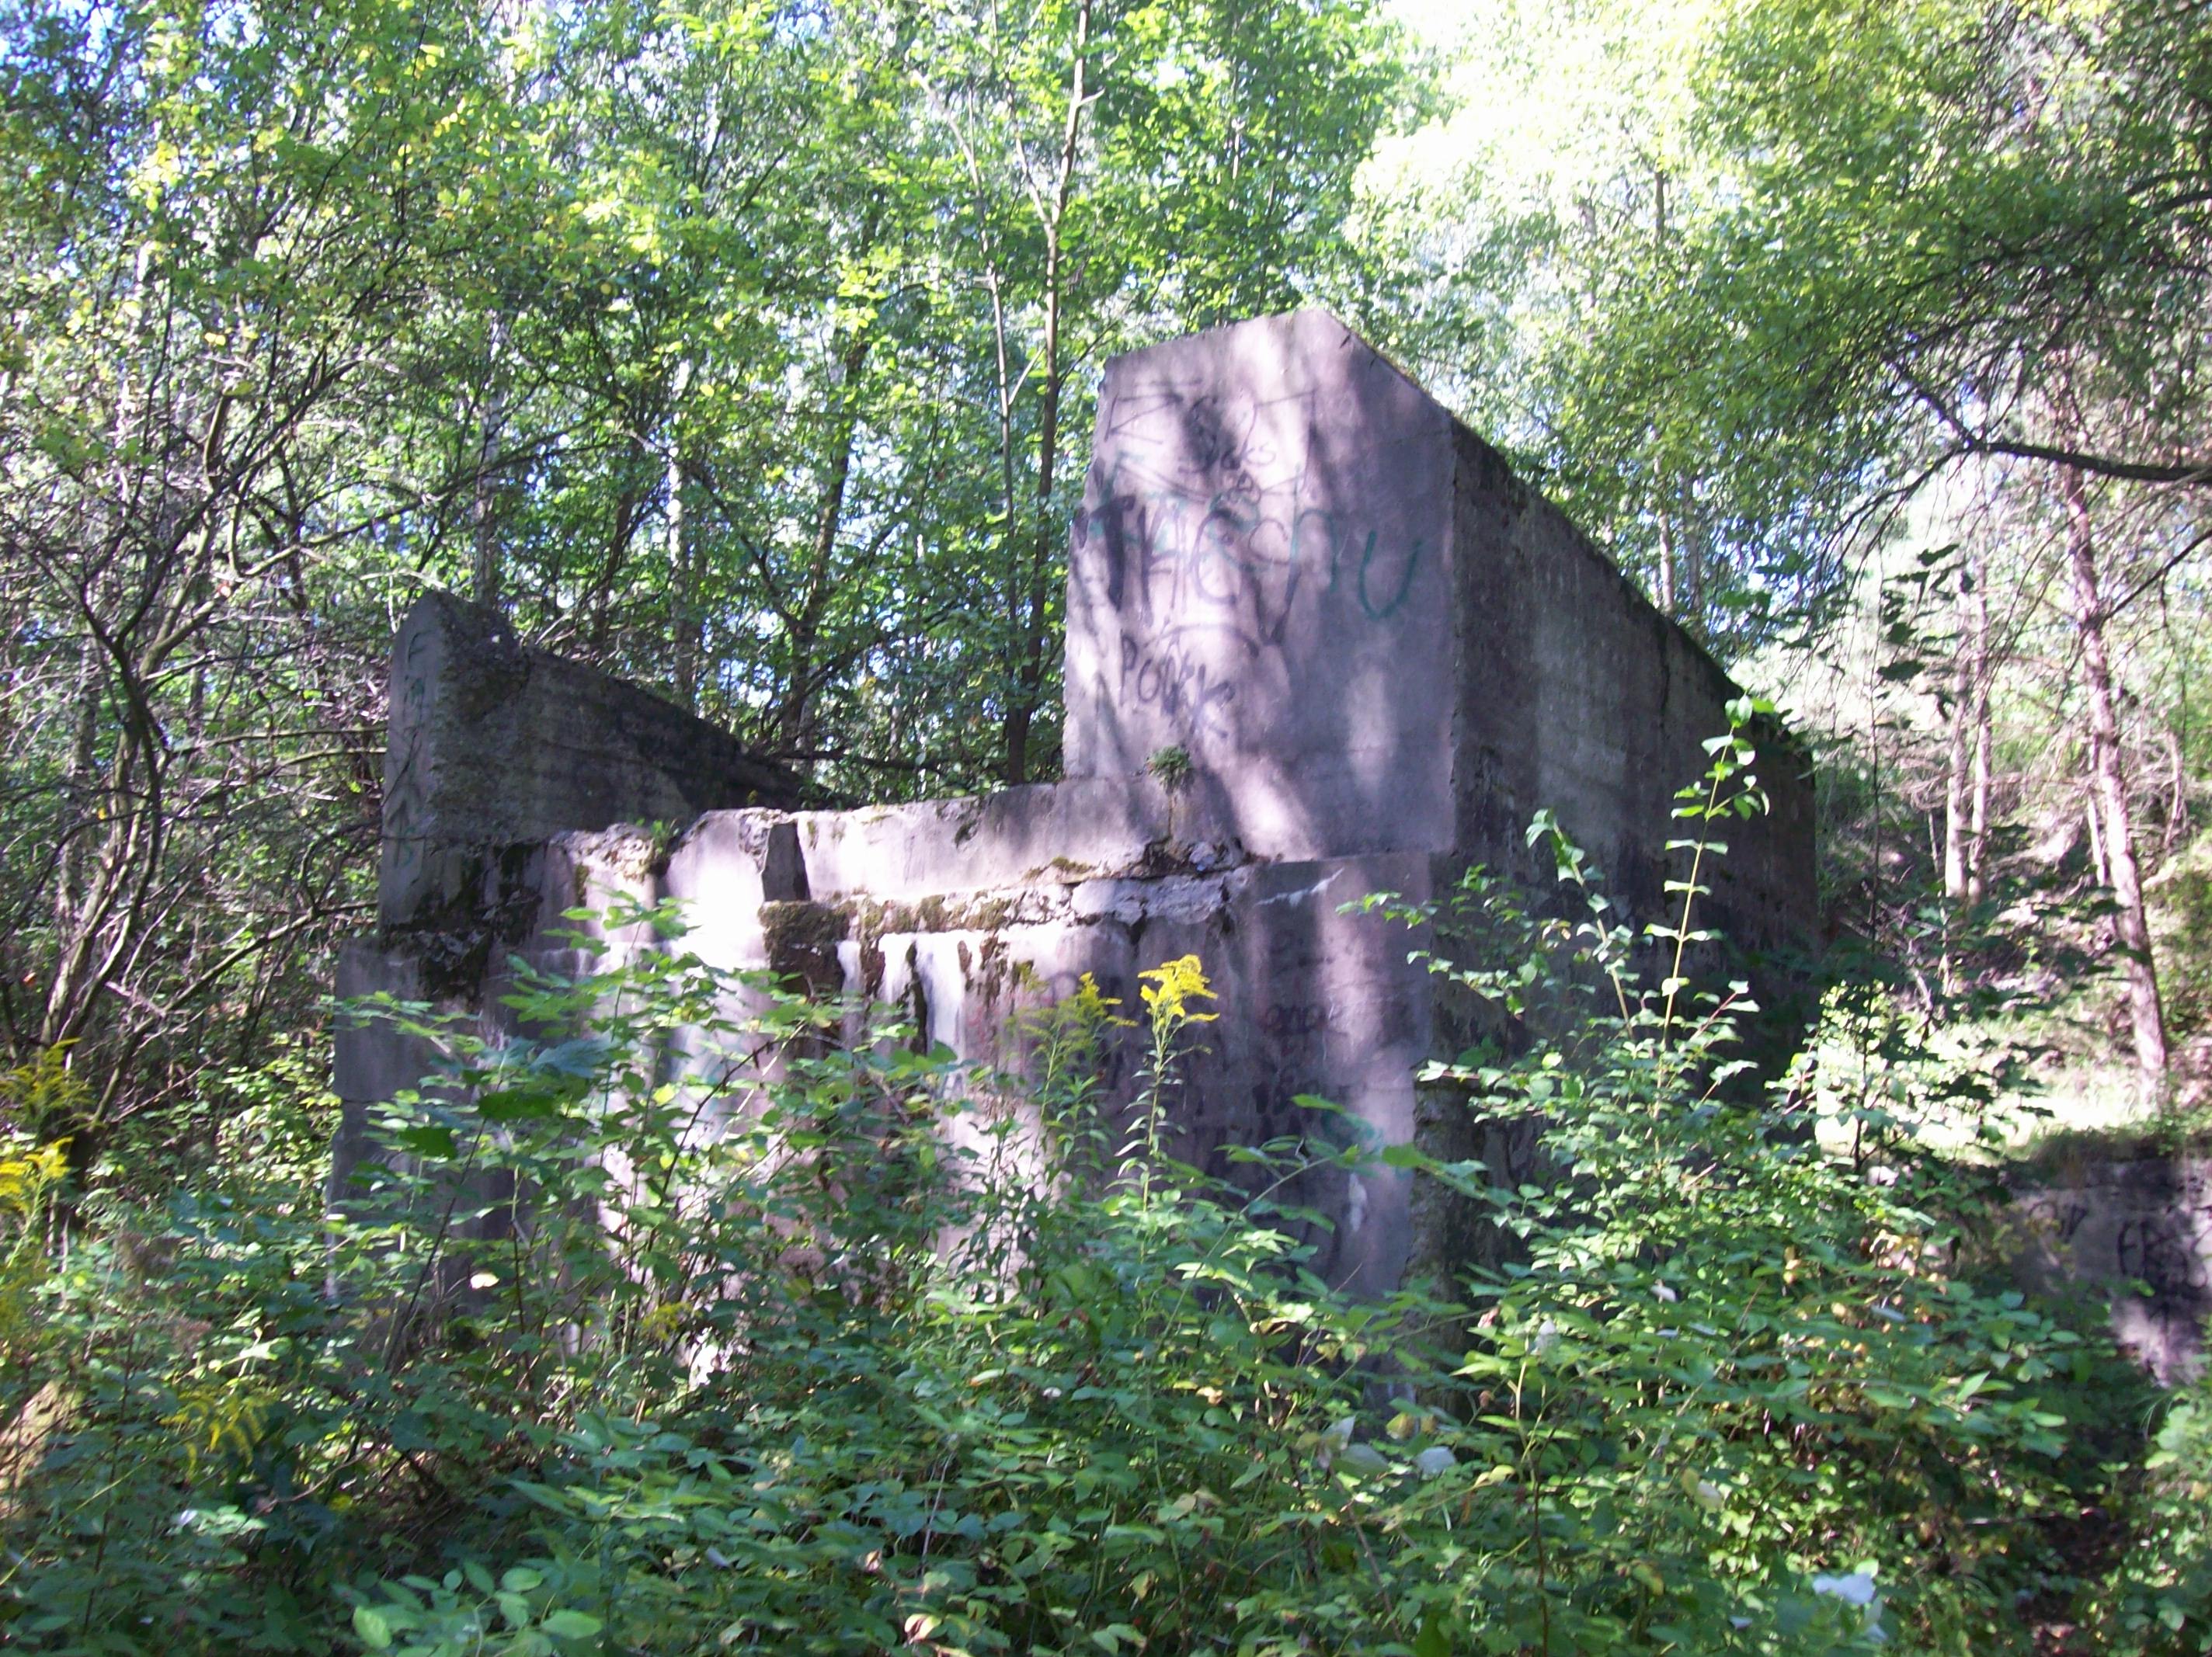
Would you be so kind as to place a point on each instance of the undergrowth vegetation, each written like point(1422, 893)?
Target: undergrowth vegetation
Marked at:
point(706, 1317)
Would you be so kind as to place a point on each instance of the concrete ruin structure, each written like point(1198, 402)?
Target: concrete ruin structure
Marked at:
point(1321, 644)
point(2131, 1227)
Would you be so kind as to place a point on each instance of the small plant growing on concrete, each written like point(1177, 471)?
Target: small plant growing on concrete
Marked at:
point(1171, 767)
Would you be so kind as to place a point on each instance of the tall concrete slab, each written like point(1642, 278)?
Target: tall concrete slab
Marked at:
point(1367, 635)
point(1575, 695)
point(1260, 576)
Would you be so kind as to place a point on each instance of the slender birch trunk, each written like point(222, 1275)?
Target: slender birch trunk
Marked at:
point(2108, 784)
point(484, 578)
point(1958, 763)
point(795, 719)
point(1977, 822)
point(1032, 607)
point(1966, 768)
point(2176, 813)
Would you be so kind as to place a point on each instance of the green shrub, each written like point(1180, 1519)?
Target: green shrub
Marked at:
point(705, 1319)
point(1728, 1366)
point(2158, 1596)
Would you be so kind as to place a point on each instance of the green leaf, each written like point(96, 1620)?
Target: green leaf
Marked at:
point(1434, 1640)
point(518, 1105)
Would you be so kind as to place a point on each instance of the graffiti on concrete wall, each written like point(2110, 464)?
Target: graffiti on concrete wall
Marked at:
point(406, 791)
point(2143, 1230)
point(1213, 526)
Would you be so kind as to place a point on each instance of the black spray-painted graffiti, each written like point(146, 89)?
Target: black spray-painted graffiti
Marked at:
point(1196, 509)
point(405, 794)
point(1168, 552)
point(1169, 673)
point(2162, 1253)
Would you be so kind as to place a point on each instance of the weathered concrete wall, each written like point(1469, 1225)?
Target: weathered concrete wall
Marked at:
point(1381, 654)
point(2139, 1230)
point(494, 744)
point(1314, 1002)
point(1261, 575)
point(1575, 694)
point(1371, 637)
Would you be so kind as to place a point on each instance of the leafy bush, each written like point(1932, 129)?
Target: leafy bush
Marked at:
point(706, 1319)
point(1733, 1371)
point(2158, 1597)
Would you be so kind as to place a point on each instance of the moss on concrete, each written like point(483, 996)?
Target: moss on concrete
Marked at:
point(802, 940)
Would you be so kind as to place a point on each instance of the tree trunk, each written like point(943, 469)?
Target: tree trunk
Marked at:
point(484, 578)
point(2108, 784)
point(1966, 770)
point(1032, 608)
point(682, 578)
point(795, 719)
point(600, 603)
point(1693, 575)
point(1977, 825)
point(2177, 812)
point(1958, 763)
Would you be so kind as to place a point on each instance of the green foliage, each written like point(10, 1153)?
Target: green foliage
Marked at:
point(814, 1376)
point(1726, 1360)
point(1170, 767)
point(701, 1316)
point(2159, 1597)
point(30, 1178)
point(46, 1098)
point(744, 349)
point(1735, 280)
point(2182, 922)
